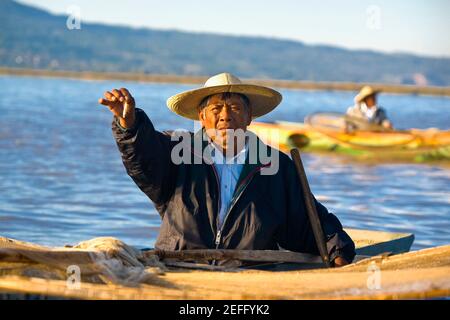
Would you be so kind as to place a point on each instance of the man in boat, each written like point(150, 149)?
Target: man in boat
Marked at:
point(367, 110)
point(220, 196)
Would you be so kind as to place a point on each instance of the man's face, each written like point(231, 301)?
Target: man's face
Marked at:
point(370, 101)
point(220, 117)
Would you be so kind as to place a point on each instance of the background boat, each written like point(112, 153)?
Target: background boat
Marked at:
point(329, 133)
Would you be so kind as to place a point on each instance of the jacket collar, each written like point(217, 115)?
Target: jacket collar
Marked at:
point(253, 162)
point(201, 147)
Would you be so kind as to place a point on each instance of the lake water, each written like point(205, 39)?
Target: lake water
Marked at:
point(62, 179)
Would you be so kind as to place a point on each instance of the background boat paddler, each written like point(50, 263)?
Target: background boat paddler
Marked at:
point(367, 110)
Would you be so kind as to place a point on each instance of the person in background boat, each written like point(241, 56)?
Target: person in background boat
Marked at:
point(366, 109)
point(226, 202)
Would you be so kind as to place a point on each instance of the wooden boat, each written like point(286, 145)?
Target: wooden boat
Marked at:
point(109, 269)
point(333, 136)
point(372, 243)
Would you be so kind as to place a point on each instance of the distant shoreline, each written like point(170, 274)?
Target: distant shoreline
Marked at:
point(285, 84)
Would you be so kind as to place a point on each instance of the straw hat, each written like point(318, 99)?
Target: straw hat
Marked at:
point(262, 99)
point(365, 92)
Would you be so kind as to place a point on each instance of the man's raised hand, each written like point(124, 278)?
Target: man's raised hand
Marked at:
point(121, 103)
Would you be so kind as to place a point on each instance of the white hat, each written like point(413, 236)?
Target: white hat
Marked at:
point(365, 92)
point(262, 99)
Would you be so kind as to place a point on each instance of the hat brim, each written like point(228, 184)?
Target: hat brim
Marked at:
point(360, 97)
point(262, 99)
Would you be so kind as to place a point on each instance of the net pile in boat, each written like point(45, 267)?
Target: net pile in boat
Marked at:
point(100, 260)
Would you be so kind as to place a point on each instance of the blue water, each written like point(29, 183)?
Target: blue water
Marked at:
point(62, 179)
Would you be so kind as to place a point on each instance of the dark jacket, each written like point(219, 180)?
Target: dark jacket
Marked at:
point(267, 211)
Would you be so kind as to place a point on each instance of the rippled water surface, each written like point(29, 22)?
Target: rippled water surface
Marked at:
point(62, 179)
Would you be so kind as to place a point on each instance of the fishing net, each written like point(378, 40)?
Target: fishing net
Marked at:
point(100, 260)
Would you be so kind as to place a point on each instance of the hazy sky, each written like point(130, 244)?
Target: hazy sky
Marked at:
point(417, 26)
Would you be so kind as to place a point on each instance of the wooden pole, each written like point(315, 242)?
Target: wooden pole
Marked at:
point(243, 255)
point(311, 208)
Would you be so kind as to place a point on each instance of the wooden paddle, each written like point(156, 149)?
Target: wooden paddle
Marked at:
point(311, 208)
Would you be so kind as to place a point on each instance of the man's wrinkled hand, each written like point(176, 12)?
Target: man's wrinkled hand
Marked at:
point(122, 105)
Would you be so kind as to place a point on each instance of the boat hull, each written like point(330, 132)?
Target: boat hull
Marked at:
point(108, 269)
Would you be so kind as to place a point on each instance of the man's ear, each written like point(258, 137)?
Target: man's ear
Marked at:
point(201, 116)
point(249, 115)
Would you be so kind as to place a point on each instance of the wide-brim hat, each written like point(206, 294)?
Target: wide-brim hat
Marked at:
point(262, 99)
point(365, 92)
